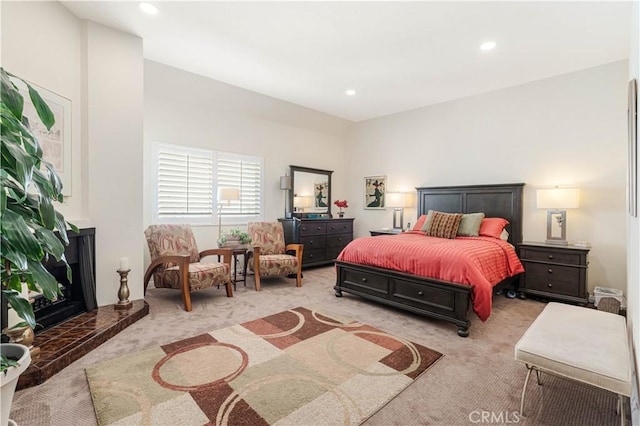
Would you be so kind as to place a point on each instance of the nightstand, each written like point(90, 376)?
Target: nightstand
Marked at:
point(385, 232)
point(554, 271)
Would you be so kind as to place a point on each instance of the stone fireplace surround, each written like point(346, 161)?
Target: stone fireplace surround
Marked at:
point(74, 325)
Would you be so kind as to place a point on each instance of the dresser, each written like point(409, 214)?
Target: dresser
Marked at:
point(554, 272)
point(323, 239)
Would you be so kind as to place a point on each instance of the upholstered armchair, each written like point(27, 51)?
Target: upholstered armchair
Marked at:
point(176, 262)
point(270, 255)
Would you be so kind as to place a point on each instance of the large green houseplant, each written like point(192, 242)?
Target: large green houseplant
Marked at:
point(30, 187)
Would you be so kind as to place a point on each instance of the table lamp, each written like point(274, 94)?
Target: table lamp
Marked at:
point(285, 185)
point(225, 195)
point(398, 201)
point(556, 201)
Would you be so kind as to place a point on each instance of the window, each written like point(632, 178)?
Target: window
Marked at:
point(187, 180)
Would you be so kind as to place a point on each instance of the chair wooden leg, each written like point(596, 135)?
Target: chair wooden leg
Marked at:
point(299, 278)
point(257, 279)
point(229, 288)
point(186, 295)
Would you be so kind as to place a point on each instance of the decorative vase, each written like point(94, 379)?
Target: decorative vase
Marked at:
point(340, 214)
point(9, 380)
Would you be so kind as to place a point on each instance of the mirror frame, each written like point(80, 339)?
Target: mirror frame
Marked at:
point(328, 173)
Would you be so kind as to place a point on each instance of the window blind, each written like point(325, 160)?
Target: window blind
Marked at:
point(244, 173)
point(188, 178)
point(184, 184)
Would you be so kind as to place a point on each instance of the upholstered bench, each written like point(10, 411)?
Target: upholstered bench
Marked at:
point(578, 343)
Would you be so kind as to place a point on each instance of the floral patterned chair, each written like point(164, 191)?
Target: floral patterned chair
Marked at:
point(270, 255)
point(176, 262)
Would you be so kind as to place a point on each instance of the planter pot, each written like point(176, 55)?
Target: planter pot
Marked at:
point(9, 380)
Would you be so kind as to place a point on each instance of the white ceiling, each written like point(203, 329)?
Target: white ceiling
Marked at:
point(397, 55)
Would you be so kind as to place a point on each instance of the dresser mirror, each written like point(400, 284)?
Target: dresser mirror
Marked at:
point(311, 192)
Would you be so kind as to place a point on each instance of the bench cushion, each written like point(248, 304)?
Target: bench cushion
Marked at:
point(579, 343)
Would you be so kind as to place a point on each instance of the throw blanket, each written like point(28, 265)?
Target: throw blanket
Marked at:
point(481, 262)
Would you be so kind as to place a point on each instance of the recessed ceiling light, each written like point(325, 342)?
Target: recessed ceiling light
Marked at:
point(148, 8)
point(350, 92)
point(488, 45)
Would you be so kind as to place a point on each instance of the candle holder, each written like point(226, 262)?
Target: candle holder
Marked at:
point(123, 292)
point(23, 335)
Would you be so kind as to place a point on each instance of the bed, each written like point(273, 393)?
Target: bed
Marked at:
point(432, 297)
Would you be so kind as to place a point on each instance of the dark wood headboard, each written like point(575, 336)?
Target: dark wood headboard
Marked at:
point(503, 200)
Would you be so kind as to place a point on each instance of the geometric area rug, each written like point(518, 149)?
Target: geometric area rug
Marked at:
point(295, 367)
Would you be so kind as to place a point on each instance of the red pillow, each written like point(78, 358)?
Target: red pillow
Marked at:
point(420, 223)
point(492, 226)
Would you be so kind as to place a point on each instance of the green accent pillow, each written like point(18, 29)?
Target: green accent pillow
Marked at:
point(427, 222)
point(470, 224)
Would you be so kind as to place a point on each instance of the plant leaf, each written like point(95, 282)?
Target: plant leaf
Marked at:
point(19, 235)
point(18, 259)
point(61, 226)
point(43, 110)
point(18, 163)
point(22, 307)
point(11, 96)
point(44, 279)
point(3, 200)
point(51, 242)
point(47, 212)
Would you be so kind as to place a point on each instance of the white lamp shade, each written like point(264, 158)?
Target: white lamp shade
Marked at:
point(558, 198)
point(285, 182)
point(228, 194)
point(398, 199)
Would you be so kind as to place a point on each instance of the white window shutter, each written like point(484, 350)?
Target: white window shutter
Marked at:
point(184, 184)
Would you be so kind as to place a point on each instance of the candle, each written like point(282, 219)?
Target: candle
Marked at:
point(124, 264)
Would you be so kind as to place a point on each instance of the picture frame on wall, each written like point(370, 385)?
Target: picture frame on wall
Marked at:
point(55, 142)
point(375, 188)
point(632, 168)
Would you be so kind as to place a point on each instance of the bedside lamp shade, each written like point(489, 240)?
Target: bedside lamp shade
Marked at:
point(556, 201)
point(558, 198)
point(398, 201)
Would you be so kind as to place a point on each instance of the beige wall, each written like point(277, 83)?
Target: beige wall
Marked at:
point(100, 71)
point(185, 108)
point(568, 130)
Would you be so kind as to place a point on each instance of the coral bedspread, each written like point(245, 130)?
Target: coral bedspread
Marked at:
point(480, 262)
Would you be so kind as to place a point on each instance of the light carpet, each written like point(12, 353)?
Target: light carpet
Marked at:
point(289, 368)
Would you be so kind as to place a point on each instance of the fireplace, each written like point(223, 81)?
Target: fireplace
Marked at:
point(79, 295)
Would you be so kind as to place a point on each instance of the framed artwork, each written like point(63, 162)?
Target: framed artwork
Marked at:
point(375, 188)
point(320, 195)
point(55, 142)
point(633, 148)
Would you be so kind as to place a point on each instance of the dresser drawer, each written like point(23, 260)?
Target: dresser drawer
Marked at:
point(366, 283)
point(340, 227)
point(314, 255)
point(552, 278)
point(565, 257)
point(338, 240)
point(313, 241)
point(310, 228)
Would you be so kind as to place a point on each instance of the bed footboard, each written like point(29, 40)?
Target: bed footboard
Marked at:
point(433, 298)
